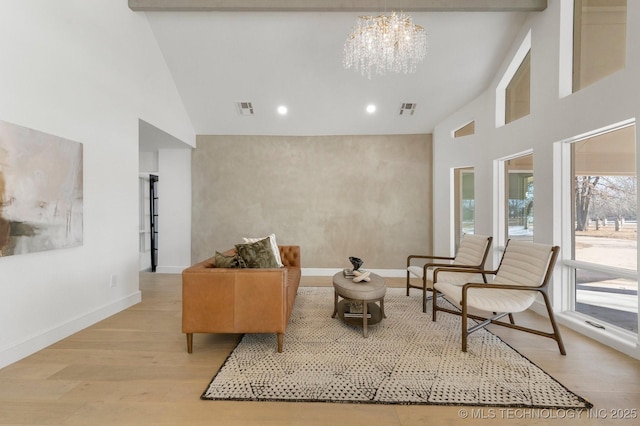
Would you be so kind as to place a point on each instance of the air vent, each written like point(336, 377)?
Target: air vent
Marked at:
point(245, 108)
point(407, 109)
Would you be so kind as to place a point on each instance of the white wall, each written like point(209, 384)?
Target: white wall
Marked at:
point(148, 162)
point(86, 71)
point(552, 119)
point(174, 217)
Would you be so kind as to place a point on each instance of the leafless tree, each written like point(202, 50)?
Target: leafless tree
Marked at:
point(606, 196)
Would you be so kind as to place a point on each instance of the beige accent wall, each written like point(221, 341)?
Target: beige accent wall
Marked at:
point(335, 196)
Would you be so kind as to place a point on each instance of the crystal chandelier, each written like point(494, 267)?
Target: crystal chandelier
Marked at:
point(385, 43)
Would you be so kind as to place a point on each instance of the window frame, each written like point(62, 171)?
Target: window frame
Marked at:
point(501, 197)
point(579, 69)
point(501, 88)
point(563, 297)
point(458, 185)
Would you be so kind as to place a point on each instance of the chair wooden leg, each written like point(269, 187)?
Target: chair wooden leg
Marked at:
point(189, 342)
point(408, 280)
point(464, 327)
point(424, 293)
point(554, 325)
point(434, 305)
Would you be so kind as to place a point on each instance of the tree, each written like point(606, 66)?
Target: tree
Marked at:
point(585, 187)
point(610, 196)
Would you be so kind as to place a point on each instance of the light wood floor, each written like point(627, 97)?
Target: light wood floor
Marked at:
point(133, 369)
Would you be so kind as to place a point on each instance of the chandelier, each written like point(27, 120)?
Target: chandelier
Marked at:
point(385, 43)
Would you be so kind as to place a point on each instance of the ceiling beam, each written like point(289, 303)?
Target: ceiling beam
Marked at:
point(338, 5)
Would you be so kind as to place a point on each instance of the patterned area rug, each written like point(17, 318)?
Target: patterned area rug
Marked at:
point(407, 359)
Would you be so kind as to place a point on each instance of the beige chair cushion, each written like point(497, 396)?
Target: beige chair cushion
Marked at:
point(489, 300)
point(472, 248)
point(471, 251)
point(523, 263)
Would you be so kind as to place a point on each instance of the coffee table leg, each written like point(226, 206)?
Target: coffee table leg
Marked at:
point(364, 319)
point(382, 308)
point(335, 304)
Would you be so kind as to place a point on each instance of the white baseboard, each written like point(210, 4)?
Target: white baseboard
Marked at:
point(32, 344)
point(307, 272)
point(328, 272)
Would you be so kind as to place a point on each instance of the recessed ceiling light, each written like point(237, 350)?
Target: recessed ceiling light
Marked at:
point(371, 108)
point(282, 110)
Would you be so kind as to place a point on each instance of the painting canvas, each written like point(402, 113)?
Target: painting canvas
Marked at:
point(40, 191)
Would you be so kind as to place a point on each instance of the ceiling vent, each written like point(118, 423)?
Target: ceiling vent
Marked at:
point(245, 108)
point(407, 109)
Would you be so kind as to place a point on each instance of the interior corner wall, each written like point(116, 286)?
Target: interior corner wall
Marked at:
point(85, 71)
point(335, 196)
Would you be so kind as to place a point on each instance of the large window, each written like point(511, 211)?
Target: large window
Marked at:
point(465, 201)
point(599, 40)
point(519, 197)
point(604, 235)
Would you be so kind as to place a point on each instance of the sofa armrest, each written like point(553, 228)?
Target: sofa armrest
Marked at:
point(290, 255)
point(219, 300)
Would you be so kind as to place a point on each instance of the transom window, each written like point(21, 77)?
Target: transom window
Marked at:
point(599, 40)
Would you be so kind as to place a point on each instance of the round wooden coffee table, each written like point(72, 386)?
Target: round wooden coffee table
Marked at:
point(364, 293)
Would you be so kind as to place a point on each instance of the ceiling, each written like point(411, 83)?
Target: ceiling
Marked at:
point(284, 56)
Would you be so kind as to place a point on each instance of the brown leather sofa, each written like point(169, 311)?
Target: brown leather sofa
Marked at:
point(220, 300)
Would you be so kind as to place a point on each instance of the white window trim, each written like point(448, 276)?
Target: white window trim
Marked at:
point(500, 198)
point(563, 296)
point(501, 89)
point(565, 65)
point(466, 123)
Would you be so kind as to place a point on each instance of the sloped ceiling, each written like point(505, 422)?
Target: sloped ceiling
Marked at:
point(294, 58)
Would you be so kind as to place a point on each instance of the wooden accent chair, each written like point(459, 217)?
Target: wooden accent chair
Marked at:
point(471, 255)
point(524, 272)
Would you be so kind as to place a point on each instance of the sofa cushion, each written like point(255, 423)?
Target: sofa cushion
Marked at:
point(274, 246)
point(223, 260)
point(258, 254)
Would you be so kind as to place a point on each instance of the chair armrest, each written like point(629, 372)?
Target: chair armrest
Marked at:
point(501, 286)
point(419, 256)
point(463, 269)
point(447, 266)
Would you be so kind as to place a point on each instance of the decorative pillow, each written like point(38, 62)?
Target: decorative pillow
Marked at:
point(228, 261)
point(274, 246)
point(258, 254)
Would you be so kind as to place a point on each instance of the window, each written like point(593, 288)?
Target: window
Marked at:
point(465, 201)
point(466, 130)
point(604, 227)
point(517, 96)
point(599, 40)
point(519, 197)
point(514, 88)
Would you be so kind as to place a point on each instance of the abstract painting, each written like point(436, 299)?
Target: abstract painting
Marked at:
point(40, 191)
